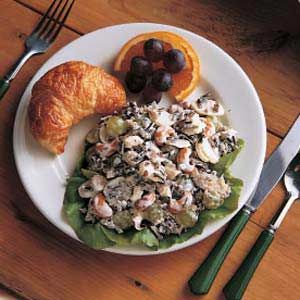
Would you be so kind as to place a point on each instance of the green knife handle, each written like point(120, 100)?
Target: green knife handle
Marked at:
point(203, 278)
point(237, 285)
point(4, 85)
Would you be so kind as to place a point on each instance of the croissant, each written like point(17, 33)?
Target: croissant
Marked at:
point(65, 95)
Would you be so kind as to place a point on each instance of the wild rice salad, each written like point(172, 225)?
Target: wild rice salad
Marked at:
point(151, 167)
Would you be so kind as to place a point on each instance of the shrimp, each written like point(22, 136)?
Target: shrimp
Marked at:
point(176, 206)
point(162, 134)
point(107, 149)
point(183, 160)
point(146, 201)
point(102, 209)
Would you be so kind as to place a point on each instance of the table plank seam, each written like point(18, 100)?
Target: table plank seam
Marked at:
point(256, 223)
point(42, 13)
point(14, 292)
point(275, 133)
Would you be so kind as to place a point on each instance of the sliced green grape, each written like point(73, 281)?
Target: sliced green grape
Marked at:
point(122, 219)
point(115, 126)
point(212, 200)
point(186, 218)
point(88, 173)
point(154, 214)
point(93, 136)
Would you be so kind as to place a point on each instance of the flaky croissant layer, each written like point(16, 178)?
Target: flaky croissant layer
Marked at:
point(65, 95)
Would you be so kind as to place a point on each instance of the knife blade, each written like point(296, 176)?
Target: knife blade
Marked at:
point(276, 165)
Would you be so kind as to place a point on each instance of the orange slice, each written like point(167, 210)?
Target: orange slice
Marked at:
point(185, 81)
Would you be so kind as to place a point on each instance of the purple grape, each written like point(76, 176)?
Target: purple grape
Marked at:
point(134, 83)
point(154, 50)
point(150, 94)
point(161, 80)
point(140, 66)
point(174, 60)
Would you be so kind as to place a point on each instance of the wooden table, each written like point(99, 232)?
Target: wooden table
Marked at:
point(39, 262)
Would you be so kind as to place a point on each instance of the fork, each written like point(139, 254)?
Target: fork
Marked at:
point(41, 38)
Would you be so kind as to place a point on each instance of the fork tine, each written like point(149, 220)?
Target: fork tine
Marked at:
point(40, 23)
point(51, 18)
point(56, 21)
point(61, 23)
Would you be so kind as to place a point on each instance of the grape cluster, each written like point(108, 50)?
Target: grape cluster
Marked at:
point(142, 77)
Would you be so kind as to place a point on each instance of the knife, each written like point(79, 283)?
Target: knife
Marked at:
point(273, 170)
point(237, 285)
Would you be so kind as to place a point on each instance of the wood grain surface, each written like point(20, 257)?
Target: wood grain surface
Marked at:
point(39, 262)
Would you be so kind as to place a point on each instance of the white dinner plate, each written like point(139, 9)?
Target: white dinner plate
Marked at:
point(44, 175)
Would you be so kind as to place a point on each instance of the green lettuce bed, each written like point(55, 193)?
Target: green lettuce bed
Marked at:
point(98, 237)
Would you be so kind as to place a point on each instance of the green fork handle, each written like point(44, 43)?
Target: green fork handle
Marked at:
point(238, 283)
point(203, 278)
point(4, 86)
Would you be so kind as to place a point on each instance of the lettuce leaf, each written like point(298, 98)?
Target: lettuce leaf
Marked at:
point(98, 237)
point(145, 237)
point(227, 160)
